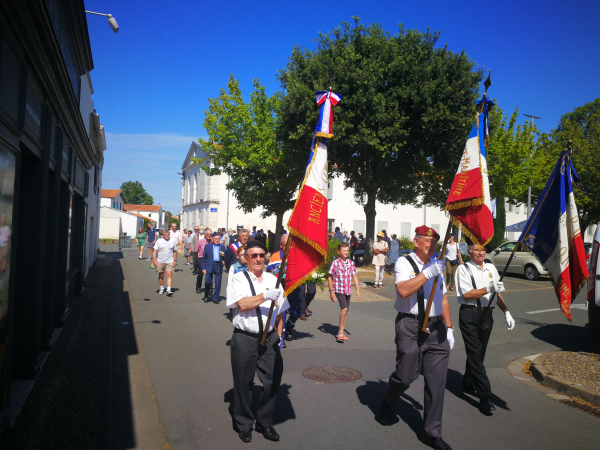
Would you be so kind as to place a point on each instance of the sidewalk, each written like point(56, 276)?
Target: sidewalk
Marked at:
point(83, 397)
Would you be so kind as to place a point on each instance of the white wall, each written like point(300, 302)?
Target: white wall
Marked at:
point(110, 227)
point(129, 223)
point(106, 202)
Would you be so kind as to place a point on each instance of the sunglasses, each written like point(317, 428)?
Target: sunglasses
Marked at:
point(256, 255)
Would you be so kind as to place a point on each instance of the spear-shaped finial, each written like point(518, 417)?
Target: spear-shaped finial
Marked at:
point(487, 83)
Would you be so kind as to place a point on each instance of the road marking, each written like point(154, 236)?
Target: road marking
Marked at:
point(523, 282)
point(577, 306)
point(525, 290)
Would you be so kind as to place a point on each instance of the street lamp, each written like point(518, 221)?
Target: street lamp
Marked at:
point(529, 190)
point(111, 20)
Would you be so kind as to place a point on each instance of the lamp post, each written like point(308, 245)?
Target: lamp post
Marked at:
point(111, 20)
point(529, 189)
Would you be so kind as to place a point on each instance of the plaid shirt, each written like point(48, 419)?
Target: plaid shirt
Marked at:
point(342, 275)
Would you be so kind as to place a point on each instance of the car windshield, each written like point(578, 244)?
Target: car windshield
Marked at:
point(508, 247)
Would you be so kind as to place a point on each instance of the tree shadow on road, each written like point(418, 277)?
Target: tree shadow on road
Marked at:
point(371, 393)
point(284, 410)
point(454, 385)
point(564, 336)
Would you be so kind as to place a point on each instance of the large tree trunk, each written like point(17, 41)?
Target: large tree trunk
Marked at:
point(278, 231)
point(370, 215)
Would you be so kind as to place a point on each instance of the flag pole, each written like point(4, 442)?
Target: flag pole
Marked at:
point(279, 277)
point(423, 333)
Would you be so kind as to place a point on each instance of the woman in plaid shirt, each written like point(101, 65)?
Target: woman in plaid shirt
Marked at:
point(342, 273)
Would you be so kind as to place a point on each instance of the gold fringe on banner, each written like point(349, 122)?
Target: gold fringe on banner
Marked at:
point(464, 204)
point(467, 232)
point(325, 135)
point(303, 279)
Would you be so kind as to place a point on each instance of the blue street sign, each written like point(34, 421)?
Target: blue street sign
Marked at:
point(213, 209)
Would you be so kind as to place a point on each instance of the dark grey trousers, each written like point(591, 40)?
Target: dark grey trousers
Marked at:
point(432, 359)
point(245, 362)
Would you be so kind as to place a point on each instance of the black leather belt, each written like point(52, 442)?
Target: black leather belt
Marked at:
point(472, 306)
point(254, 335)
point(431, 321)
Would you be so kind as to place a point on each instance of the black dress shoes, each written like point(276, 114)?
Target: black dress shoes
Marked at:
point(268, 432)
point(435, 442)
point(470, 390)
point(486, 407)
point(245, 436)
point(288, 336)
point(385, 414)
point(198, 290)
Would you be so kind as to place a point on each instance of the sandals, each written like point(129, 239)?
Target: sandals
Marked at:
point(341, 338)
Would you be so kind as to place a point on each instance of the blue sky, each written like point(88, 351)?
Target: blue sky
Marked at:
point(152, 79)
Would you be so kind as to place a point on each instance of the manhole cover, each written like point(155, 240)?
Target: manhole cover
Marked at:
point(331, 374)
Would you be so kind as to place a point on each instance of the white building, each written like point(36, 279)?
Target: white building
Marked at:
point(207, 202)
point(153, 212)
point(95, 131)
point(113, 198)
point(114, 223)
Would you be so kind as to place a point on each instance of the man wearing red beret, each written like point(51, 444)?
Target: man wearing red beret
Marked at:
point(414, 276)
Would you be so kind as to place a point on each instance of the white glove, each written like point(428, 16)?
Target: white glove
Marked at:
point(272, 295)
point(495, 286)
point(450, 336)
point(435, 269)
point(509, 321)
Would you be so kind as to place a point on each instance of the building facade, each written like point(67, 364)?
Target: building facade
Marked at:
point(51, 157)
point(113, 198)
point(152, 212)
point(206, 201)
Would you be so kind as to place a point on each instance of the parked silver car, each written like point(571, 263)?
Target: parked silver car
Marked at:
point(524, 262)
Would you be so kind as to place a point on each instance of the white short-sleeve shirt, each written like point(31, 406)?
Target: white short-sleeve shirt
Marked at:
point(165, 251)
point(175, 236)
point(482, 276)
point(403, 271)
point(239, 288)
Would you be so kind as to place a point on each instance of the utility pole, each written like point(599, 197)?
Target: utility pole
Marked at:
point(529, 189)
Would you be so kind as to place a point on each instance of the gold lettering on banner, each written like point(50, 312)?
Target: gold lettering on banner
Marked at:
point(316, 207)
point(563, 289)
point(463, 177)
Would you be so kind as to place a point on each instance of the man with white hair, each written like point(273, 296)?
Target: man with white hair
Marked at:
point(476, 283)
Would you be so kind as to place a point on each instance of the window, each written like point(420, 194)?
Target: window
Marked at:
point(382, 226)
point(330, 225)
point(358, 227)
point(405, 229)
point(517, 209)
point(510, 207)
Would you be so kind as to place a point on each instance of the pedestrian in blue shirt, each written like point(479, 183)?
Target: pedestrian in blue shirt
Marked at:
point(212, 267)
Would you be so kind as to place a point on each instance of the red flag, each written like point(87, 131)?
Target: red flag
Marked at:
point(308, 222)
point(469, 202)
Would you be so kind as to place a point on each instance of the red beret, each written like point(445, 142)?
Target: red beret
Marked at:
point(424, 230)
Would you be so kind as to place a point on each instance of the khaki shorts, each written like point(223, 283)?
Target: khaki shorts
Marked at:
point(164, 267)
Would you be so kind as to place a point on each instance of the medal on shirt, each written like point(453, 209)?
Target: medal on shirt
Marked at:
point(490, 274)
point(412, 274)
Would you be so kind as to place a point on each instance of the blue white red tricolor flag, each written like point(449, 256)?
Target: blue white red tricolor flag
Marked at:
point(469, 203)
point(326, 99)
point(308, 222)
point(552, 233)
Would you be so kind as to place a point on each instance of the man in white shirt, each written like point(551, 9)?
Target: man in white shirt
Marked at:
point(165, 260)
point(414, 281)
point(250, 295)
point(175, 235)
point(476, 283)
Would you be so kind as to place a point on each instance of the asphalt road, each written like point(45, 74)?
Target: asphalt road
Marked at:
point(184, 341)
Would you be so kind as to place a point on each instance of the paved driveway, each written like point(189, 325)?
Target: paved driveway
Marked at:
point(184, 341)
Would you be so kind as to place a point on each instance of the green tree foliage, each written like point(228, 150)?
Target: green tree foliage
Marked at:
point(406, 112)
point(582, 126)
point(243, 144)
point(135, 194)
point(510, 166)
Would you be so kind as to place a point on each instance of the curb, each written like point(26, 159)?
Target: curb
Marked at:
point(543, 375)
